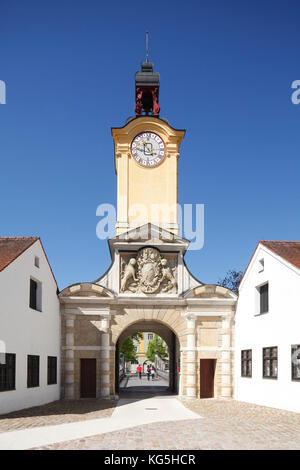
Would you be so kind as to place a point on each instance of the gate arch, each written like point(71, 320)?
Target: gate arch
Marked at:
point(169, 316)
point(167, 323)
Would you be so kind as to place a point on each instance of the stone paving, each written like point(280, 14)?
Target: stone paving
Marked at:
point(58, 412)
point(222, 424)
point(226, 424)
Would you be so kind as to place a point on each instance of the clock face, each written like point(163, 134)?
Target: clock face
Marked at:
point(148, 149)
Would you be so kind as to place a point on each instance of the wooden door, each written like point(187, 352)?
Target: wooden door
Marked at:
point(207, 377)
point(88, 378)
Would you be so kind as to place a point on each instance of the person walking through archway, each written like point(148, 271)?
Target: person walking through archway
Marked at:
point(148, 372)
point(153, 370)
point(139, 371)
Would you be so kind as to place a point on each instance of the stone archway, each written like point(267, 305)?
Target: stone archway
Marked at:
point(163, 330)
point(93, 320)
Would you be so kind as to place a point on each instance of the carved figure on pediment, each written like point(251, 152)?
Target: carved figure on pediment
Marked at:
point(167, 275)
point(148, 273)
point(129, 273)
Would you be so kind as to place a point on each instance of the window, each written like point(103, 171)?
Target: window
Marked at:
point(261, 265)
point(270, 363)
point(150, 337)
point(33, 289)
point(296, 362)
point(36, 261)
point(8, 372)
point(52, 370)
point(33, 371)
point(247, 363)
point(264, 298)
point(35, 295)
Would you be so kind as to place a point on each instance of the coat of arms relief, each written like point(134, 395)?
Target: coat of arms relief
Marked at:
point(149, 272)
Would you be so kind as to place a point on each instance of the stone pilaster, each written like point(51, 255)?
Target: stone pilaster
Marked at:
point(69, 358)
point(190, 363)
point(105, 363)
point(226, 372)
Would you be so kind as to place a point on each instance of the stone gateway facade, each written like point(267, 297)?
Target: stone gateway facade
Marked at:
point(148, 286)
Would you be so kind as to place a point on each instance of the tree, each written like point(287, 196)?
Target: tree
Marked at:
point(128, 347)
point(156, 345)
point(129, 351)
point(231, 280)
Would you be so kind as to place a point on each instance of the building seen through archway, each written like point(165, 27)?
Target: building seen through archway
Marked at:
point(167, 369)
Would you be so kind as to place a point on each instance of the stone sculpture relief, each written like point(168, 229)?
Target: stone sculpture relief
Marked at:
point(149, 273)
point(129, 274)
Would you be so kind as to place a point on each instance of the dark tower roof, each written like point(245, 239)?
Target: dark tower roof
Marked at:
point(146, 77)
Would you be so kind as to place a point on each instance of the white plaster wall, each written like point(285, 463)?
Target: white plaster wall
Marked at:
point(25, 331)
point(280, 327)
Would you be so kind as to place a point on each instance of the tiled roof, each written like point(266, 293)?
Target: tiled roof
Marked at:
point(12, 247)
point(290, 251)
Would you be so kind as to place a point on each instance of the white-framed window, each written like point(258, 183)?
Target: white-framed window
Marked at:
point(296, 362)
point(52, 370)
point(246, 363)
point(262, 299)
point(35, 295)
point(36, 261)
point(270, 363)
point(8, 373)
point(33, 371)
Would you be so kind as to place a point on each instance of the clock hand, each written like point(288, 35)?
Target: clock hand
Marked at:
point(143, 150)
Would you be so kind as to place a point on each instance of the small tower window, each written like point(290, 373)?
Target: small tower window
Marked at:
point(261, 265)
point(36, 261)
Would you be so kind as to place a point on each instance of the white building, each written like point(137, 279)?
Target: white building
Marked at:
point(267, 329)
point(29, 326)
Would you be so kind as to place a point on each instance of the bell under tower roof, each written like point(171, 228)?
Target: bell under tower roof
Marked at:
point(147, 90)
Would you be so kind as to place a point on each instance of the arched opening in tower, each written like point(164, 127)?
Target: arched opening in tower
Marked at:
point(147, 102)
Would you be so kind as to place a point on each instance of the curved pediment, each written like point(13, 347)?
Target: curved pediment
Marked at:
point(209, 291)
point(86, 289)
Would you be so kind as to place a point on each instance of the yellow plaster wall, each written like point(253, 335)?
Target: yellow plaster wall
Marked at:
point(140, 187)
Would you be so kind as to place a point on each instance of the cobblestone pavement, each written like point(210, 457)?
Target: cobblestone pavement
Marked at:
point(225, 424)
point(58, 412)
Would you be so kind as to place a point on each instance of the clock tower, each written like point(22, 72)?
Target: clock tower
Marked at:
point(148, 287)
point(146, 159)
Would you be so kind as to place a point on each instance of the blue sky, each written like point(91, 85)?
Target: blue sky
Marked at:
point(226, 72)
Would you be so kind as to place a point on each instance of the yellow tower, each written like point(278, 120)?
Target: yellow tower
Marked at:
point(146, 159)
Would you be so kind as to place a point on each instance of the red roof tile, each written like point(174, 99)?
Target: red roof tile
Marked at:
point(290, 251)
point(12, 247)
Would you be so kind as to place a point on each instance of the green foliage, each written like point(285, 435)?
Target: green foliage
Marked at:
point(128, 347)
point(137, 336)
point(156, 345)
point(231, 280)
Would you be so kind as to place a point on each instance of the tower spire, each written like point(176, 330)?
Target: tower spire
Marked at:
point(147, 87)
point(147, 49)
